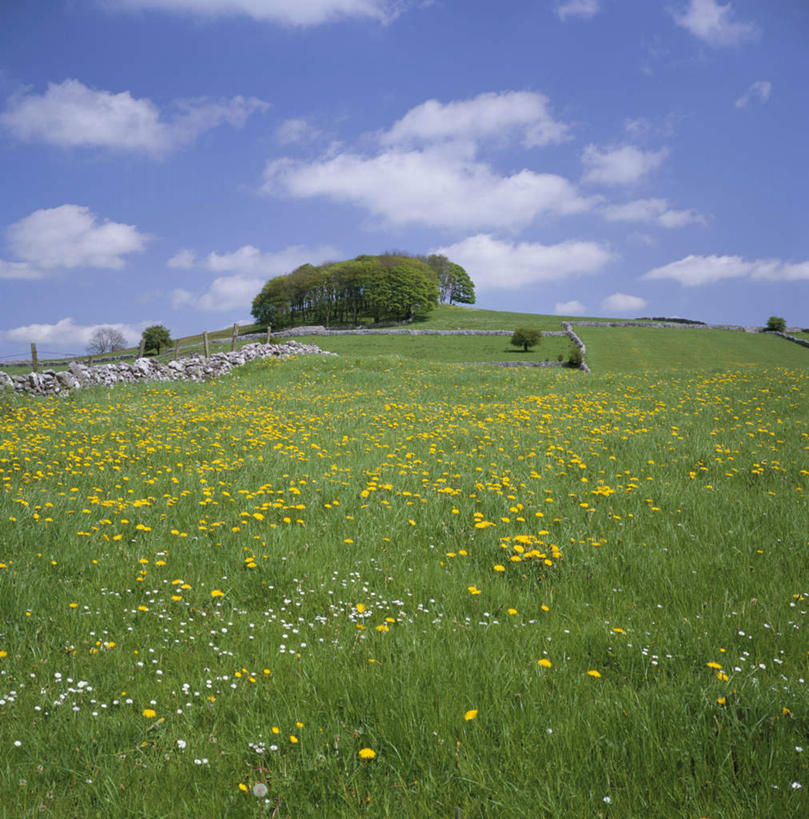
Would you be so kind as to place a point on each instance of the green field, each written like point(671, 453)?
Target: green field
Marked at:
point(388, 587)
point(638, 349)
point(442, 348)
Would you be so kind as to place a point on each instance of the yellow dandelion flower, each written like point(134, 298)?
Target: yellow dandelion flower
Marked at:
point(594, 673)
point(470, 715)
point(217, 593)
point(149, 713)
point(544, 662)
point(714, 665)
point(293, 739)
point(499, 567)
point(367, 753)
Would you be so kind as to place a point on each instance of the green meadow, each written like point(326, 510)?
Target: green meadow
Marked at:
point(391, 584)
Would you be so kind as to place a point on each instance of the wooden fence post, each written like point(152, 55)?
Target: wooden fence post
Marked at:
point(233, 337)
point(177, 351)
point(142, 348)
point(34, 359)
point(89, 361)
point(269, 333)
point(205, 347)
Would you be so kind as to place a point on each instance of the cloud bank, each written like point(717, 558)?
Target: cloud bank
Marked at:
point(71, 115)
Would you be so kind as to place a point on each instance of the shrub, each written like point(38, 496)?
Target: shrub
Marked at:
point(526, 337)
point(574, 358)
point(776, 323)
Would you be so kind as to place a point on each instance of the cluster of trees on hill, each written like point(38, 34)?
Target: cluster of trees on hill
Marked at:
point(390, 287)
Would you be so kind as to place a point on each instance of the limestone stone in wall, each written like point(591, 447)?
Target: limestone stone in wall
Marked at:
point(195, 368)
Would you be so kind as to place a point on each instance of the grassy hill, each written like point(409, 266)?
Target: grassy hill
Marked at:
point(609, 349)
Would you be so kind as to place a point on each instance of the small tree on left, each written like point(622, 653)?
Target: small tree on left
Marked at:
point(106, 340)
point(155, 337)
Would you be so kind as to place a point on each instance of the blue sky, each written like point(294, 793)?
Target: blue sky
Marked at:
point(161, 159)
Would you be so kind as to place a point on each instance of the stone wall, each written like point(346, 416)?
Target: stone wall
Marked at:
point(195, 368)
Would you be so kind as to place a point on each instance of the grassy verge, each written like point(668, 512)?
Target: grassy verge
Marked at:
point(442, 348)
point(395, 588)
point(630, 349)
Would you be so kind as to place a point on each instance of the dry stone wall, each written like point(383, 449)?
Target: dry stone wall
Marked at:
point(195, 368)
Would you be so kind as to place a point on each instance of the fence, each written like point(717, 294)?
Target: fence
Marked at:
point(36, 362)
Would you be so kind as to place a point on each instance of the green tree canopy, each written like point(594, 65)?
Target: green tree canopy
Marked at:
point(389, 287)
point(526, 337)
point(155, 337)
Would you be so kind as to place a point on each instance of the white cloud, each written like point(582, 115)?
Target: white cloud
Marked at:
point(181, 260)
point(713, 22)
point(653, 211)
point(72, 236)
point(569, 308)
point(19, 270)
point(440, 188)
point(66, 335)
point(622, 303)
point(694, 271)
point(494, 264)
point(224, 294)
point(620, 164)
point(578, 8)
point(70, 115)
point(295, 131)
point(250, 268)
point(760, 90)
point(248, 259)
point(486, 116)
point(289, 12)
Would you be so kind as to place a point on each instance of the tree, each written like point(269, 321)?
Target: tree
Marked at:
point(776, 323)
point(155, 337)
point(106, 340)
point(454, 284)
point(525, 337)
point(463, 288)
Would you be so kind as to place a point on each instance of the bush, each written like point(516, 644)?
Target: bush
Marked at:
point(155, 337)
point(574, 358)
point(525, 337)
point(776, 323)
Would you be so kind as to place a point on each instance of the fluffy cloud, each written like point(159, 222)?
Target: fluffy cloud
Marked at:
point(694, 271)
point(760, 90)
point(225, 294)
point(492, 115)
point(69, 115)
point(71, 236)
point(250, 260)
point(713, 22)
point(569, 308)
point(494, 264)
point(250, 268)
point(289, 12)
point(622, 303)
point(65, 335)
point(181, 260)
point(19, 270)
point(433, 187)
point(653, 211)
point(585, 9)
point(620, 164)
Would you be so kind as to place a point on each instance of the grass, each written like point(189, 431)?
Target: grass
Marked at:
point(629, 349)
point(454, 317)
point(454, 349)
point(254, 579)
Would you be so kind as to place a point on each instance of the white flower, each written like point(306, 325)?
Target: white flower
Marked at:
point(181, 744)
point(796, 786)
point(607, 800)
